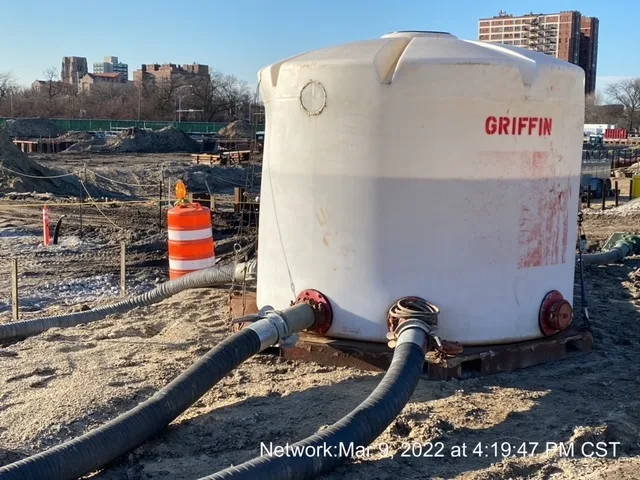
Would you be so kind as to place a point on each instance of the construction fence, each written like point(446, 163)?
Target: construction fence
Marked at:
point(92, 125)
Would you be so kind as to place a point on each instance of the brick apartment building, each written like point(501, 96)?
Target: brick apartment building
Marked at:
point(90, 80)
point(589, 51)
point(42, 86)
point(565, 35)
point(169, 71)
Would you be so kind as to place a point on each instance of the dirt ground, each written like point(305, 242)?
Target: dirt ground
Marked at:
point(66, 382)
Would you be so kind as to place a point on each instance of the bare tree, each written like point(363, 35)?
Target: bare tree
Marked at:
point(7, 87)
point(627, 93)
point(591, 110)
point(52, 89)
point(222, 97)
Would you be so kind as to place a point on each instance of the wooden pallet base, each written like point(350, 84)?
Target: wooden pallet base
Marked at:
point(473, 362)
point(485, 360)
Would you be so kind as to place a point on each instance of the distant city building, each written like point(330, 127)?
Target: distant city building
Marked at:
point(41, 86)
point(90, 80)
point(565, 35)
point(169, 71)
point(111, 65)
point(589, 51)
point(73, 69)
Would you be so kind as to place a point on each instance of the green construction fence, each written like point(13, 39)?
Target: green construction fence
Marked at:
point(90, 125)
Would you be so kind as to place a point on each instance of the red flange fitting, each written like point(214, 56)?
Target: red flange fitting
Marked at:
point(555, 314)
point(322, 309)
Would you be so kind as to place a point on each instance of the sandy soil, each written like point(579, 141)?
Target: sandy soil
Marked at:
point(63, 383)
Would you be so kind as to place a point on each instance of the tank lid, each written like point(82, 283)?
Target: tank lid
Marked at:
point(418, 33)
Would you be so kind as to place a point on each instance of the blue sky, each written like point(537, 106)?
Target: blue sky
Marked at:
point(241, 36)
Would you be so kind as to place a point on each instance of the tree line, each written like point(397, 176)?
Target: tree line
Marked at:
point(221, 98)
point(619, 105)
point(213, 98)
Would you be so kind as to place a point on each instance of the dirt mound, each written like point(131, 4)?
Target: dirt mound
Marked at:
point(136, 140)
point(31, 128)
point(72, 136)
point(17, 170)
point(20, 173)
point(216, 178)
point(166, 140)
point(633, 169)
point(237, 129)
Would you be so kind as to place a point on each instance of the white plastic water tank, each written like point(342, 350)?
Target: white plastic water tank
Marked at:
point(421, 164)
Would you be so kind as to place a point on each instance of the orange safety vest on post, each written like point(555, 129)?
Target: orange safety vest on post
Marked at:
point(46, 235)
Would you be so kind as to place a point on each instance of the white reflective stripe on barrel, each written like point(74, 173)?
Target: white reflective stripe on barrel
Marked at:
point(189, 235)
point(185, 265)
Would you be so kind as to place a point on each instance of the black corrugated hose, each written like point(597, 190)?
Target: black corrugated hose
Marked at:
point(218, 275)
point(98, 447)
point(358, 429)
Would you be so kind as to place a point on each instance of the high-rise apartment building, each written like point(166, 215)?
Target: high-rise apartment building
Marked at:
point(561, 35)
point(73, 69)
point(111, 65)
point(589, 51)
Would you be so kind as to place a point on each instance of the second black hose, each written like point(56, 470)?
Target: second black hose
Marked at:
point(358, 428)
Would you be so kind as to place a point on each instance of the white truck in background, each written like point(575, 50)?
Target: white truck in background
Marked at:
point(596, 128)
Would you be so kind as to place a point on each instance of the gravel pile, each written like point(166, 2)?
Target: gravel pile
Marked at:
point(73, 136)
point(24, 128)
point(237, 129)
point(216, 178)
point(628, 209)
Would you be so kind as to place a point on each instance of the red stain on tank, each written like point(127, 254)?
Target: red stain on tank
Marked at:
point(544, 217)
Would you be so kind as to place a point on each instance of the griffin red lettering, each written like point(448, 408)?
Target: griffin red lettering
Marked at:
point(504, 126)
point(491, 125)
point(543, 126)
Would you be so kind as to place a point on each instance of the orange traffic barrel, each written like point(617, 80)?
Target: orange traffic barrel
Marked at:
point(190, 239)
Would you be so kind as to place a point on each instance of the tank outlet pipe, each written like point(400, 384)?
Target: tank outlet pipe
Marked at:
point(324, 451)
point(95, 449)
point(208, 277)
point(627, 245)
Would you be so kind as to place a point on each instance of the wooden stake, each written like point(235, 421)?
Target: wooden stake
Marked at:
point(123, 269)
point(14, 289)
point(617, 194)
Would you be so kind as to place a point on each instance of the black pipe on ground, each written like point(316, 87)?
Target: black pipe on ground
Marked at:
point(208, 277)
point(95, 449)
point(98, 447)
point(56, 231)
point(359, 428)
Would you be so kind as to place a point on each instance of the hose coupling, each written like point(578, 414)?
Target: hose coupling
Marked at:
point(555, 314)
point(411, 330)
point(409, 310)
point(322, 311)
point(279, 323)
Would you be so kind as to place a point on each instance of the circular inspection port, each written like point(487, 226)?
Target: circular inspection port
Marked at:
point(313, 98)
